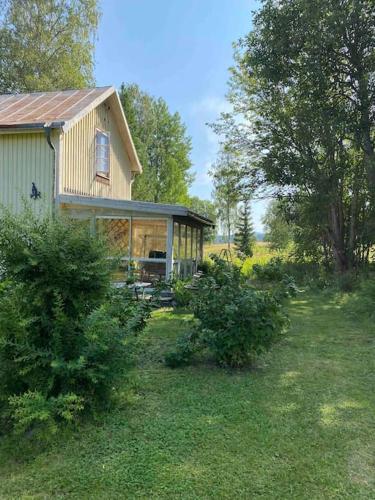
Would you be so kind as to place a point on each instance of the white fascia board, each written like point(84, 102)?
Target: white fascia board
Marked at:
point(95, 103)
point(130, 205)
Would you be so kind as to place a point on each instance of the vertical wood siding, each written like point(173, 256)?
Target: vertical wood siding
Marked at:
point(78, 174)
point(25, 158)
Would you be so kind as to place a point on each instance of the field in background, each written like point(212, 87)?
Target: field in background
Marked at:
point(262, 253)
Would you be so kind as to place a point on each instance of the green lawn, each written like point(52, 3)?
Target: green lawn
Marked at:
point(300, 425)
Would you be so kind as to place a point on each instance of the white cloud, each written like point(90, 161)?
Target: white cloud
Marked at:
point(210, 106)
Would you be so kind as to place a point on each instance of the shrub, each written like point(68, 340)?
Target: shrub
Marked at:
point(347, 282)
point(361, 304)
point(65, 336)
point(182, 295)
point(271, 271)
point(186, 346)
point(204, 266)
point(236, 321)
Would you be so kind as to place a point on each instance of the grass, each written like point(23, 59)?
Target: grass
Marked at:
point(261, 254)
point(261, 249)
point(301, 425)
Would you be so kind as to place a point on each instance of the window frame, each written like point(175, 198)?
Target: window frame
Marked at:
point(100, 175)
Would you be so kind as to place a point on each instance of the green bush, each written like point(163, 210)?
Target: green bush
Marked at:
point(65, 336)
point(186, 346)
point(271, 271)
point(204, 266)
point(182, 295)
point(361, 304)
point(235, 321)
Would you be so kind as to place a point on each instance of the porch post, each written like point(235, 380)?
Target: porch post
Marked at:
point(169, 263)
point(201, 244)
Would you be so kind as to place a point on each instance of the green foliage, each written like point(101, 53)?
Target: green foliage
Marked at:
point(66, 338)
point(235, 321)
point(186, 346)
point(162, 145)
point(204, 266)
point(271, 271)
point(291, 405)
point(347, 282)
point(361, 304)
point(244, 238)
point(225, 174)
point(47, 45)
point(207, 209)
point(307, 133)
point(278, 231)
point(181, 294)
point(31, 410)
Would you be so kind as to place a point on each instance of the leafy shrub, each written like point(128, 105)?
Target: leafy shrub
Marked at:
point(204, 266)
point(236, 321)
point(361, 304)
point(347, 282)
point(271, 271)
point(186, 346)
point(182, 295)
point(65, 336)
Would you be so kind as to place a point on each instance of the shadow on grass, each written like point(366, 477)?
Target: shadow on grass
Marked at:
point(301, 426)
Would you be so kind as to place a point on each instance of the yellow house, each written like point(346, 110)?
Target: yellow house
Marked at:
point(71, 151)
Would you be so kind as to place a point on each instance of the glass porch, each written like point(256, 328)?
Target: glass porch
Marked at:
point(153, 249)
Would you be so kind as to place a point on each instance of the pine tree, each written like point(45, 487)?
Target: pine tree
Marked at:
point(244, 238)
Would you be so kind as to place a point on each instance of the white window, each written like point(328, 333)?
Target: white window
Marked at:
point(102, 153)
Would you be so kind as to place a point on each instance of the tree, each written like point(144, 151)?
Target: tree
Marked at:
point(207, 209)
point(244, 238)
point(163, 147)
point(47, 44)
point(225, 176)
point(278, 230)
point(303, 84)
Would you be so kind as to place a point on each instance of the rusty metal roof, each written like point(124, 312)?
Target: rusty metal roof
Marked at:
point(52, 108)
point(62, 109)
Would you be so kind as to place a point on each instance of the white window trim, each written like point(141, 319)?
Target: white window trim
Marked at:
point(99, 173)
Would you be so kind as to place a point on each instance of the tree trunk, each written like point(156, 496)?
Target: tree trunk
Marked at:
point(353, 228)
point(228, 226)
point(336, 234)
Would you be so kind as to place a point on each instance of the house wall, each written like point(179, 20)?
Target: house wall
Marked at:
point(25, 157)
point(77, 172)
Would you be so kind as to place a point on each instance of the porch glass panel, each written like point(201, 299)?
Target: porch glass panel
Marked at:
point(183, 241)
point(149, 238)
point(117, 232)
point(188, 242)
point(176, 241)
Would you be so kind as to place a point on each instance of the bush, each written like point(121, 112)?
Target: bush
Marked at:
point(271, 271)
point(182, 295)
point(361, 304)
point(186, 346)
point(236, 321)
point(65, 336)
point(204, 266)
point(347, 282)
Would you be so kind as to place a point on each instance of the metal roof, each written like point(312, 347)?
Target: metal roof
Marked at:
point(63, 109)
point(145, 207)
point(54, 108)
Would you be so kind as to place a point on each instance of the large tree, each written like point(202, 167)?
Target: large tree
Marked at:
point(304, 82)
point(278, 229)
point(163, 147)
point(47, 44)
point(225, 174)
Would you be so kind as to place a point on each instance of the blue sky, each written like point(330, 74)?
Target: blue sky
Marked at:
point(180, 50)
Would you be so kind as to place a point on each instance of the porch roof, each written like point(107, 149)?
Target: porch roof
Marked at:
point(145, 207)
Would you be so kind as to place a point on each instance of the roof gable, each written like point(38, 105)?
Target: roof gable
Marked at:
point(63, 109)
